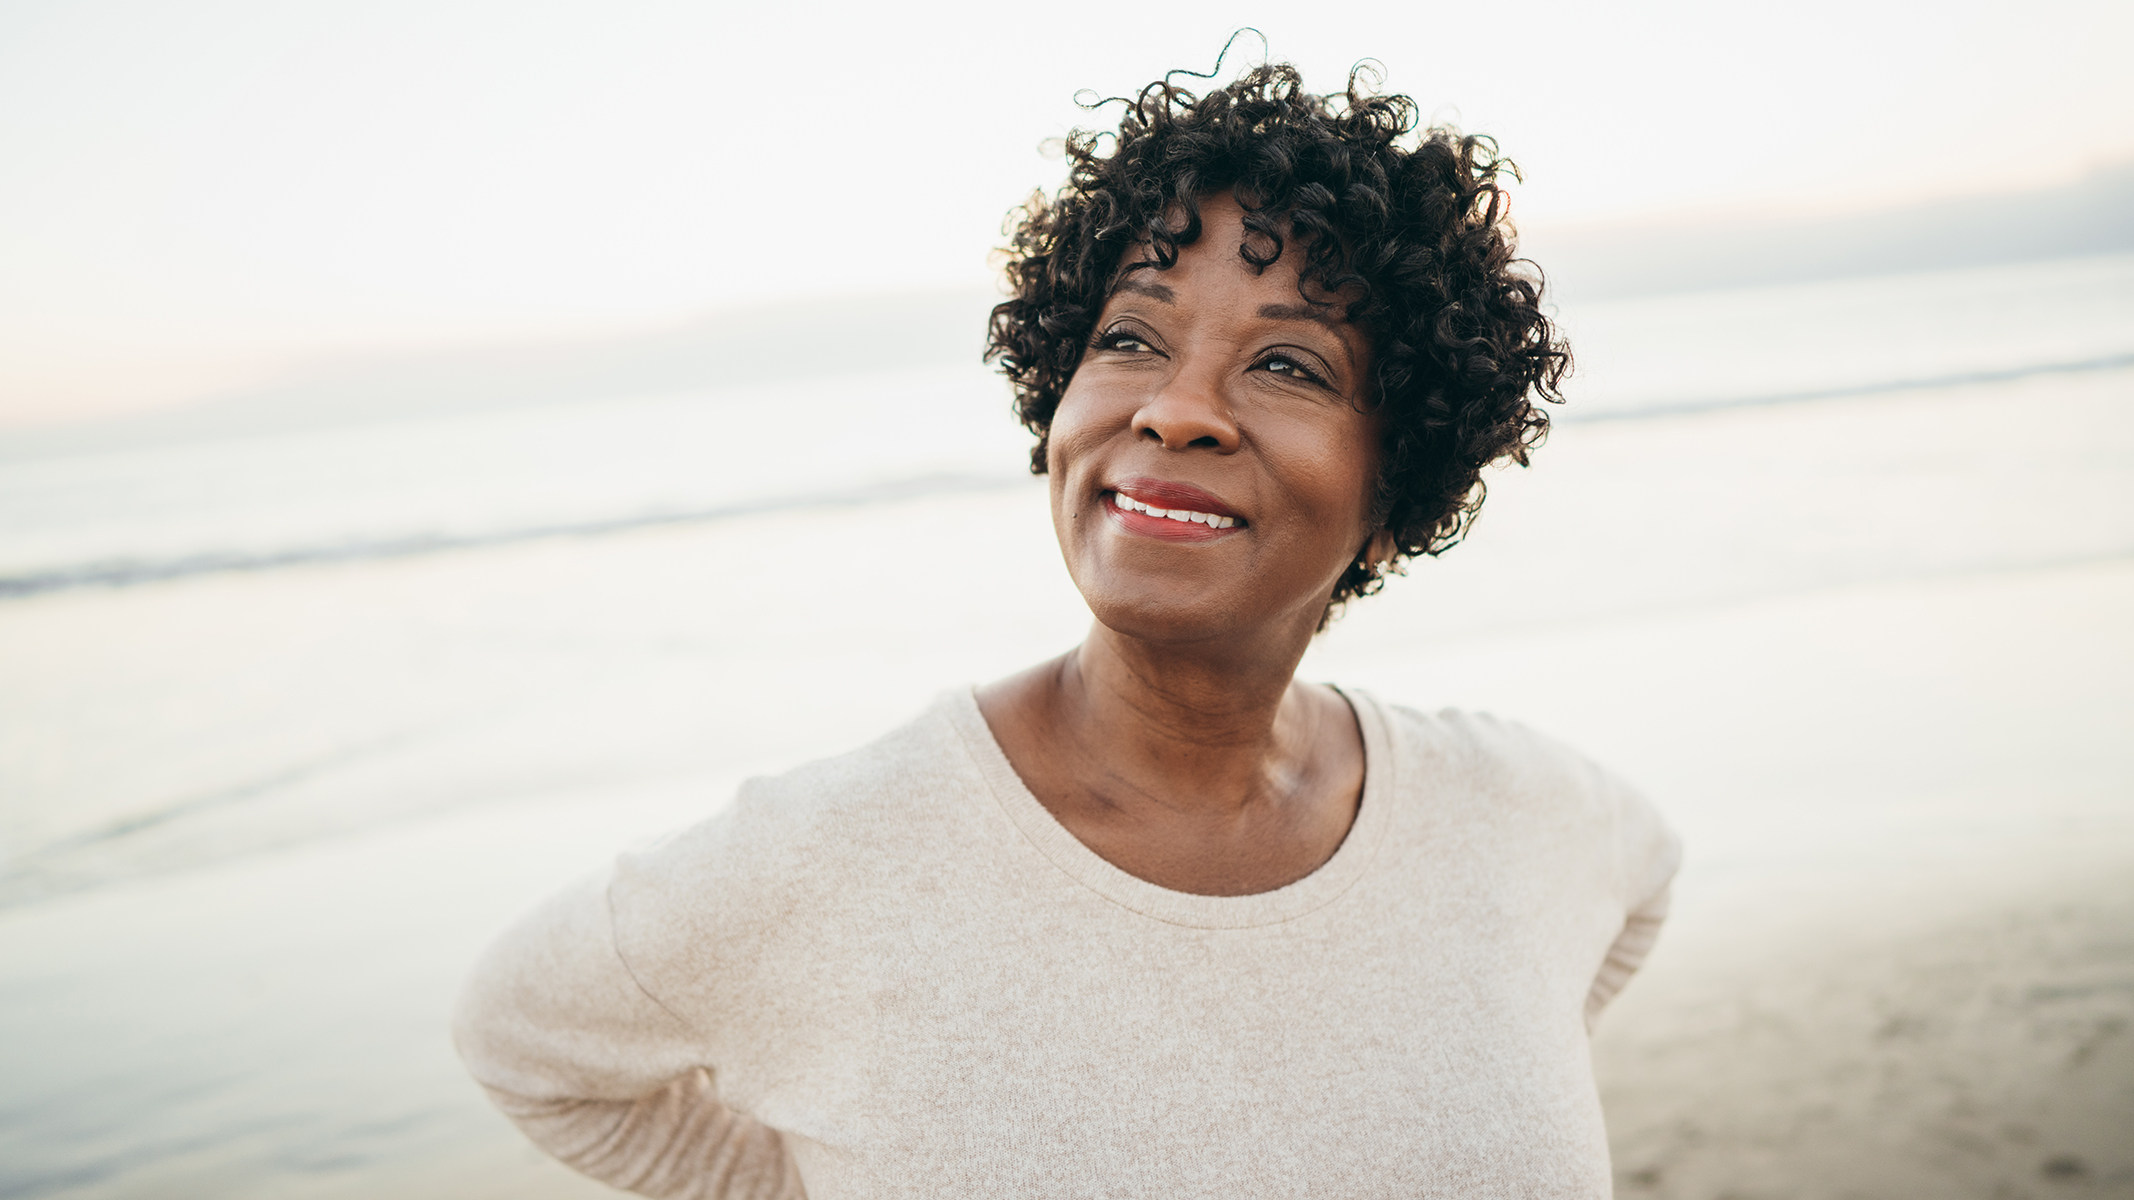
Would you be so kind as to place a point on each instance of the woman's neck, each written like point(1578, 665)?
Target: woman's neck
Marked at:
point(1201, 768)
point(1198, 722)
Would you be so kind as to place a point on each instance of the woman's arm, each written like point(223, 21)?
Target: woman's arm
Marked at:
point(1641, 928)
point(1647, 855)
point(596, 1071)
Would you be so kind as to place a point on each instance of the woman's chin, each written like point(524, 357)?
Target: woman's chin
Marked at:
point(1171, 616)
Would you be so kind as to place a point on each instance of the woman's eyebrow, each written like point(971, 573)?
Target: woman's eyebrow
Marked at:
point(1155, 291)
point(1321, 314)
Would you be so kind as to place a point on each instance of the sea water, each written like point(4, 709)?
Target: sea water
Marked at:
point(292, 719)
point(357, 488)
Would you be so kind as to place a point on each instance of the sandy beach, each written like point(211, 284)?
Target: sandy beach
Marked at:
point(1870, 653)
point(1964, 1034)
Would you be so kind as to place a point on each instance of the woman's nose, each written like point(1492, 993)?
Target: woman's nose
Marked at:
point(1189, 411)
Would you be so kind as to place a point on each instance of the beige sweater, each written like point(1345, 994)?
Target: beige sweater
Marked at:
point(892, 973)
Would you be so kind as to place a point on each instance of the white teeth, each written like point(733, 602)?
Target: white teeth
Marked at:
point(1174, 514)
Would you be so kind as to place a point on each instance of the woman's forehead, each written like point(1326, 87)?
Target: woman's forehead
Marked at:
point(1224, 235)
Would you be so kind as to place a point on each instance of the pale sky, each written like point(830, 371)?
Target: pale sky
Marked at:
point(195, 193)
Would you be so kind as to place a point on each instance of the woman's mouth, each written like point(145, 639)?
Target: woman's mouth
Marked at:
point(1172, 512)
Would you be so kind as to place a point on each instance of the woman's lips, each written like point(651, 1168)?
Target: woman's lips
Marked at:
point(1173, 512)
point(1164, 494)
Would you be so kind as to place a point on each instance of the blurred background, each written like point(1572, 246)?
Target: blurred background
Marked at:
point(444, 444)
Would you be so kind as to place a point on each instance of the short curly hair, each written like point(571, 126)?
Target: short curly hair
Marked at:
point(1416, 229)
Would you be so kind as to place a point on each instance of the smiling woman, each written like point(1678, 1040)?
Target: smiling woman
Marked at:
point(1155, 917)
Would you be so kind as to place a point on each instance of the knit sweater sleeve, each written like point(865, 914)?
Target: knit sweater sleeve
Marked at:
point(598, 1072)
point(1647, 856)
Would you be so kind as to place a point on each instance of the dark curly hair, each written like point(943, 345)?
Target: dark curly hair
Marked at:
point(1418, 232)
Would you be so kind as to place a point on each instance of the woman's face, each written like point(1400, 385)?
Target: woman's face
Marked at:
point(1215, 390)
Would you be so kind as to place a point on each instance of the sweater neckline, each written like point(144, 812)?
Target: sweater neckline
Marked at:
point(1332, 878)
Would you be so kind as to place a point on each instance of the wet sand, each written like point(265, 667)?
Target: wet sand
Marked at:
point(1963, 1035)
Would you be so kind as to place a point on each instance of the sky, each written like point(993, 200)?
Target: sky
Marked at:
point(196, 194)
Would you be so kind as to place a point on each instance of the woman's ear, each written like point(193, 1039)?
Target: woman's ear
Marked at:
point(1380, 549)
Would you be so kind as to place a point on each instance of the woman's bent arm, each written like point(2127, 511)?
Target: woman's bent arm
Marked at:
point(1640, 930)
point(598, 1072)
point(1648, 854)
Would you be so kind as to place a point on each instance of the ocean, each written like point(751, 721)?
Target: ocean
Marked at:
point(294, 715)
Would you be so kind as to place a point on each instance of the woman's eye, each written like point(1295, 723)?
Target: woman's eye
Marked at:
point(1125, 341)
point(1279, 365)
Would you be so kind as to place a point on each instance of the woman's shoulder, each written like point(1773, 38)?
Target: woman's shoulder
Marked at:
point(1484, 745)
point(797, 860)
point(830, 809)
point(924, 758)
point(1484, 769)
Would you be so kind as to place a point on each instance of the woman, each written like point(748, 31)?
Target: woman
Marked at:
point(1153, 918)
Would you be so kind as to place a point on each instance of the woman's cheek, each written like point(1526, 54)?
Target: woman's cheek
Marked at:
point(1072, 434)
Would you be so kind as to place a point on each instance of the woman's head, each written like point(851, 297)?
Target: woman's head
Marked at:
point(1400, 238)
point(1214, 458)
